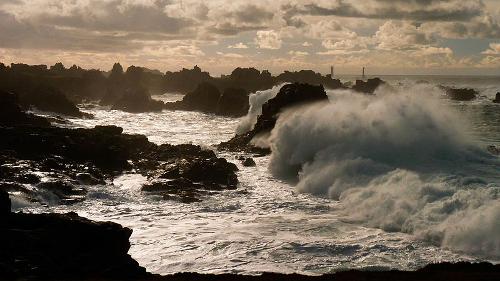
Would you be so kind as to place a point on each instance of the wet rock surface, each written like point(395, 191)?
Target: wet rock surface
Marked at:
point(460, 94)
point(369, 86)
point(136, 101)
point(49, 164)
point(289, 95)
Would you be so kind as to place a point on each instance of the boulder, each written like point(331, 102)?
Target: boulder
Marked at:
point(233, 102)
point(5, 203)
point(204, 98)
point(50, 99)
point(249, 162)
point(497, 98)
point(369, 86)
point(460, 94)
point(11, 113)
point(136, 101)
point(64, 247)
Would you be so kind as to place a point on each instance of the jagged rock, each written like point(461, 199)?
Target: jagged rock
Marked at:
point(233, 102)
point(5, 203)
point(289, 95)
point(369, 86)
point(204, 98)
point(249, 162)
point(460, 94)
point(50, 99)
point(11, 113)
point(63, 247)
point(136, 101)
point(88, 179)
point(497, 98)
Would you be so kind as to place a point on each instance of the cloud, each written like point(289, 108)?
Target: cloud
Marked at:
point(420, 10)
point(230, 55)
point(268, 39)
point(298, 53)
point(239, 45)
point(494, 50)
point(306, 44)
point(401, 35)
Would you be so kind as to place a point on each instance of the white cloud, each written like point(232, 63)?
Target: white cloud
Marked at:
point(239, 45)
point(401, 35)
point(493, 50)
point(268, 39)
point(230, 55)
point(298, 53)
point(306, 44)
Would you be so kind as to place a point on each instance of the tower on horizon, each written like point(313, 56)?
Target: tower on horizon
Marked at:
point(331, 71)
point(363, 74)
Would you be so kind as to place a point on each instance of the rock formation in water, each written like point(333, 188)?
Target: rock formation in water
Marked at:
point(460, 94)
point(73, 158)
point(289, 95)
point(207, 98)
point(63, 247)
point(136, 101)
point(497, 98)
point(369, 86)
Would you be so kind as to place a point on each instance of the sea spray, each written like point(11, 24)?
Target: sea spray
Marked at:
point(256, 101)
point(400, 161)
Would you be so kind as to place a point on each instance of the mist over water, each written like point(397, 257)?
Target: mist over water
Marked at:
point(402, 161)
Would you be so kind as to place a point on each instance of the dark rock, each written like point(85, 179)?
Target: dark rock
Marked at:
point(460, 94)
point(137, 100)
point(64, 190)
point(493, 150)
point(64, 247)
point(47, 98)
point(233, 102)
point(369, 86)
point(204, 98)
point(249, 162)
point(289, 95)
point(497, 98)
point(11, 113)
point(88, 179)
point(5, 203)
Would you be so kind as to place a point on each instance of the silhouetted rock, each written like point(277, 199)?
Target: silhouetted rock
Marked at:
point(369, 86)
point(289, 95)
point(309, 77)
point(249, 162)
point(185, 81)
point(460, 94)
point(63, 247)
point(233, 102)
point(136, 101)
point(11, 113)
point(497, 98)
point(5, 203)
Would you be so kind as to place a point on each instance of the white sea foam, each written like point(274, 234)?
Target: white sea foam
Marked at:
point(400, 161)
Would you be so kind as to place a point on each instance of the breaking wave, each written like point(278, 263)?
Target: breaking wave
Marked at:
point(400, 161)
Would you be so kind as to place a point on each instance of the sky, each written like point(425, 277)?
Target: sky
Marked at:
point(455, 37)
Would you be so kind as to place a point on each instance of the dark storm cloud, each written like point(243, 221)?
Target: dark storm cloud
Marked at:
point(418, 10)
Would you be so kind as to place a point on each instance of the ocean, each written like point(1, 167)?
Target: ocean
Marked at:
point(392, 181)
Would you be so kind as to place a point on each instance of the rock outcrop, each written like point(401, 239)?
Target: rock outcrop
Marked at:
point(497, 98)
point(63, 247)
point(460, 94)
point(207, 98)
point(369, 86)
point(11, 113)
point(289, 95)
point(136, 101)
point(71, 159)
